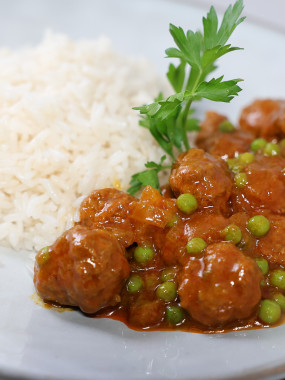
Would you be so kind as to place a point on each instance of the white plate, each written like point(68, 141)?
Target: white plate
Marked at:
point(41, 343)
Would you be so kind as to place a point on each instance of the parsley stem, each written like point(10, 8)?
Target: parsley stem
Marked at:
point(185, 117)
point(194, 79)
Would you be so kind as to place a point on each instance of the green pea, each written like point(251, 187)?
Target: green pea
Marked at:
point(269, 311)
point(232, 233)
point(134, 284)
point(43, 255)
point(262, 264)
point(246, 158)
point(174, 314)
point(233, 165)
point(258, 144)
point(240, 180)
point(167, 291)
point(168, 274)
point(272, 149)
point(277, 278)
point(282, 143)
point(280, 299)
point(196, 245)
point(187, 203)
point(143, 254)
point(258, 225)
point(226, 126)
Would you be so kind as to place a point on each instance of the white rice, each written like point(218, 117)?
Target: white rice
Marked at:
point(67, 127)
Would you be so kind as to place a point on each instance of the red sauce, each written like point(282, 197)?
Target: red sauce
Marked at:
point(216, 289)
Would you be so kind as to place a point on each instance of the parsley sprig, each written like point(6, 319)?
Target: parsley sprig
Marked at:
point(170, 119)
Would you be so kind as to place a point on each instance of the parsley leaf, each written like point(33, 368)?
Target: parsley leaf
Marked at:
point(176, 75)
point(214, 36)
point(148, 177)
point(217, 90)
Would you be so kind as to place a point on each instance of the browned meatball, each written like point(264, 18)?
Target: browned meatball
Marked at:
point(150, 215)
point(226, 145)
point(205, 226)
point(223, 287)
point(271, 246)
point(146, 314)
point(204, 176)
point(85, 268)
point(211, 123)
point(264, 118)
point(222, 144)
point(109, 209)
point(265, 188)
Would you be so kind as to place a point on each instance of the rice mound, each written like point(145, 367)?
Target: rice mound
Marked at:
point(67, 127)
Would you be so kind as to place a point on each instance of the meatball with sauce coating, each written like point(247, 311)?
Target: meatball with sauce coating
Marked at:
point(265, 187)
point(150, 215)
point(109, 209)
point(271, 246)
point(264, 118)
point(222, 287)
point(146, 314)
point(84, 268)
point(205, 226)
point(222, 144)
point(204, 176)
point(226, 145)
point(211, 122)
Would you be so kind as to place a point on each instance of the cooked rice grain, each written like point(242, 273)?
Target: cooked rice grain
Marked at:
point(67, 127)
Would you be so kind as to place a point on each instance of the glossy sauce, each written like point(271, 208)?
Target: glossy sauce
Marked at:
point(219, 289)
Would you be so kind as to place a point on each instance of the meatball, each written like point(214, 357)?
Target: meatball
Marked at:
point(109, 209)
point(222, 144)
point(211, 123)
point(264, 118)
point(226, 145)
point(150, 215)
point(204, 176)
point(223, 287)
point(205, 226)
point(147, 313)
point(85, 268)
point(265, 186)
point(271, 246)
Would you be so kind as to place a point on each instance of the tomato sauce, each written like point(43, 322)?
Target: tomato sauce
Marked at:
point(153, 265)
